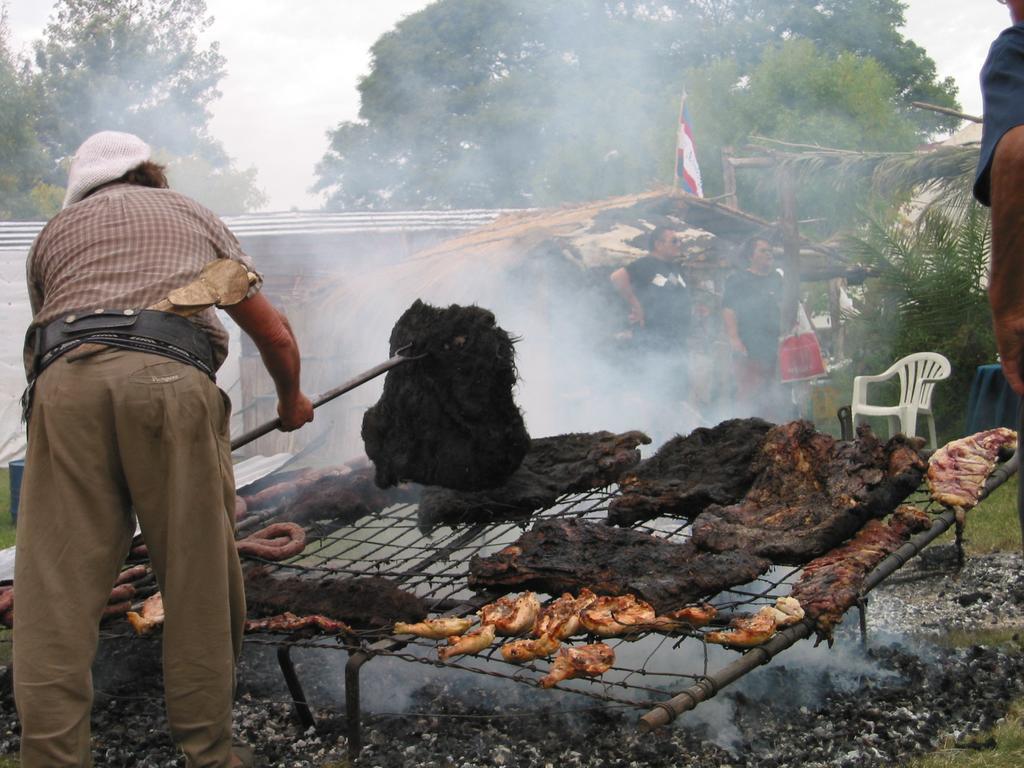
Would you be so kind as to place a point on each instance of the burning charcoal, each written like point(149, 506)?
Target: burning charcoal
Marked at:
point(448, 419)
point(553, 467)
point(708, 466)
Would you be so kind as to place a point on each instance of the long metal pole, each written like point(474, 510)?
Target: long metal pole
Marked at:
point(326, 397)
point(706, 687)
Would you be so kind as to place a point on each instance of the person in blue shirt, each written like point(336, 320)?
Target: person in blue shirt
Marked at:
point(1000, 184)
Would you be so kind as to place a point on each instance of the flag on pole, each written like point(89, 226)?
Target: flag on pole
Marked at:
point(687, 170)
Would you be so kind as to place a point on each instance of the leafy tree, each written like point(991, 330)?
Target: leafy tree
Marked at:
point(131, 65)
point(224, 190)
point(22, 159)
point(513, 102)
point(805, 96)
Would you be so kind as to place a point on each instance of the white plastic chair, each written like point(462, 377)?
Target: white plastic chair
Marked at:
point(918, 374)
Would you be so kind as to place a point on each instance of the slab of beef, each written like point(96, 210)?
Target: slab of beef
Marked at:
point(368, 601)
point(344, 498)
point(708, 466)
point(282, 487)
point(812, 493)
point(448, 419)
point(559, 556)
point(830, 585)
point(553, 467)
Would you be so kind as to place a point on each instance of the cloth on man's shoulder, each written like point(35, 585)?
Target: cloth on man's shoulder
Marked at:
point(1002, 89)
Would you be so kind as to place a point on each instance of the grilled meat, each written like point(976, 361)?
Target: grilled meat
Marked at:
point(831, 584)
point(435, 629)
point(527, 649)
point(289, 622)
point(561, 618)
point(364, 601)
point(614, 616)
point(691, 617)
point(958, 470)
point(343, 498)
point(579, 661)
point(708, 466)
point(150, 615)
point(511, 616)
point(556, 556)
point(748, 631)
point(553, 467)
point(812, 493)
point(278, 541)
point(471, 642)
point(448, 419)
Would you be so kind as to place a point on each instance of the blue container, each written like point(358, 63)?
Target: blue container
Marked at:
point(15, 469)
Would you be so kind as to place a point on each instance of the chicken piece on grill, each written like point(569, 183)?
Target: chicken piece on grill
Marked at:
point(527, 649)
point(690, 617)
point(149, 617)
point(749, 631)
point(579, 661)
point(511, 616)
point(958, 470)
point(561, 619)
point(787, 611)
point(471, 642)
point(612, 616)
point(435, 629)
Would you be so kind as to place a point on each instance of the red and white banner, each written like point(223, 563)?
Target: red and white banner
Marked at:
point(687, 171)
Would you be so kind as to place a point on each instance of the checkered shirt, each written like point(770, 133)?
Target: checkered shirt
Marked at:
point(126, 247)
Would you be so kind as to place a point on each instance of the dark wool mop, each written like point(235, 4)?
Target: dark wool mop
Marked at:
point(448, 419)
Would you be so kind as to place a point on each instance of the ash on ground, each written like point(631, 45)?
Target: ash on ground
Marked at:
point(876, 705)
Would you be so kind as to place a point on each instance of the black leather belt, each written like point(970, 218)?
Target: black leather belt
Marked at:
point(143, 330)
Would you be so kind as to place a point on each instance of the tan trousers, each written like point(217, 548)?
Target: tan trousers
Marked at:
point(112, 433)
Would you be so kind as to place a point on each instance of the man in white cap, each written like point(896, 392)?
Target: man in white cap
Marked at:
point(126, 421)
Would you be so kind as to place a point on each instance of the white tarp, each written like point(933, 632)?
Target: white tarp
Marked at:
point(15, 315)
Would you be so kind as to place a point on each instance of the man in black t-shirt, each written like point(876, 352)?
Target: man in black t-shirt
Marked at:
point(657, 295)
point(751, 307)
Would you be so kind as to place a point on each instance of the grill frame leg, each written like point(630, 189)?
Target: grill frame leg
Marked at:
point(291, 678)
point(352, 706)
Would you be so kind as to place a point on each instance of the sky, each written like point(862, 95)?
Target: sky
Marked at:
point(293, 68)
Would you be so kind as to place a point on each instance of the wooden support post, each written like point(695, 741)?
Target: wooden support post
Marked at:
point(729, 179)
point(791, 248)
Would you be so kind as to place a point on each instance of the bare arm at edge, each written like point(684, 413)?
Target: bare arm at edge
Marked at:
point(1006, 284)
point(273, 337)
point(620, 279)
point(732, 330)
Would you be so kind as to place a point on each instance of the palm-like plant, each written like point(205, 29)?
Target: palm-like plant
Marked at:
point(929, 294)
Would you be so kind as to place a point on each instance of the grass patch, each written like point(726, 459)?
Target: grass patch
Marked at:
point(1011, 639)
point(993, 526)
point(6, 524)
point(1003, 747)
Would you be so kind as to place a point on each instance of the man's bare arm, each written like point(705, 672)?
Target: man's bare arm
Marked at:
point(1006, 286)
point(732, 331)
point(620, 279)
point(270, 331)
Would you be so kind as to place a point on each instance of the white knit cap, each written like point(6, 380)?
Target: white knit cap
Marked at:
point(103, 157)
